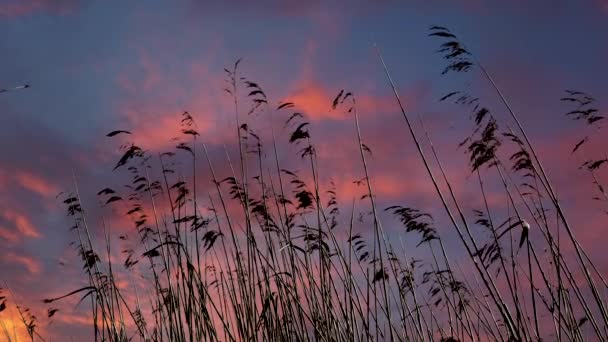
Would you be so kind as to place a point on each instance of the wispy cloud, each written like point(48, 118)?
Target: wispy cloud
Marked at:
point(21, 223)
point(29, 263)
point(36, 184)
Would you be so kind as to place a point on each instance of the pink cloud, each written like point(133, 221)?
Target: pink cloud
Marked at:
point(36, 184)
point(155, 102)
point(8, 235)
point(32, 266)
point(316, 101)
point(11, 320)
point(22, 223)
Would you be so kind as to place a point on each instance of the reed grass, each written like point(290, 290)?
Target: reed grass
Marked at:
point(270, 257)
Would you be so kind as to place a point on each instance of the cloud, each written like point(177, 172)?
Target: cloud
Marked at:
point(316, 101)
point(8, 235)
point(155, 101)
point(11, 321)
point(31, 265)
point(21, 223)
point(36, 184)
point(155, 91)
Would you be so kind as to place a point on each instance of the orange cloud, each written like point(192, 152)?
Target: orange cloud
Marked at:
point(8, 235)
point(154, 103)
point(36, 184)
point(32, 266)
point(316, 102)
point(76, 318)
point(11, 322)
point(22, 223)
point(153, 131)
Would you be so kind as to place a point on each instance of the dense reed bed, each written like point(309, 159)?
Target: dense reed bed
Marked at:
point(270, 254)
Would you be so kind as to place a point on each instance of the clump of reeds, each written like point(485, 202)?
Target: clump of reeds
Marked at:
point(269, 254)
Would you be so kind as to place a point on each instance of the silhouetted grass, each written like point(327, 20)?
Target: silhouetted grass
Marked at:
point(266, 256)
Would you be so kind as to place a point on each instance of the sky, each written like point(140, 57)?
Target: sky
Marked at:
point(97, 66)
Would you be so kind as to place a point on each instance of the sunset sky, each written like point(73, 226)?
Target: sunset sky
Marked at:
point(97, 66)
